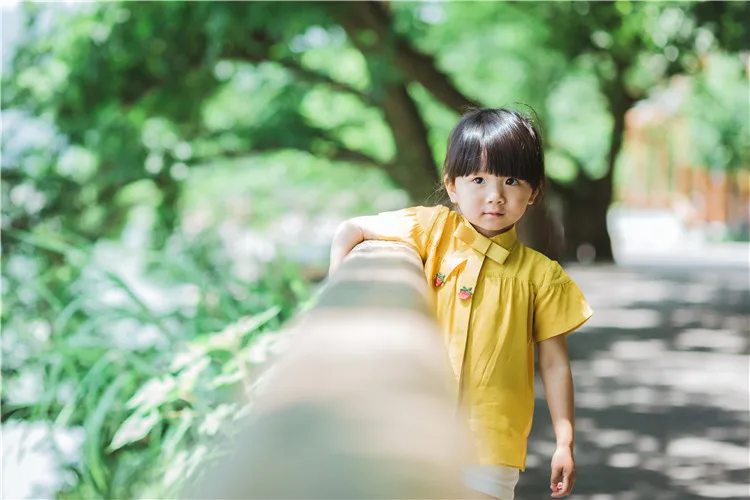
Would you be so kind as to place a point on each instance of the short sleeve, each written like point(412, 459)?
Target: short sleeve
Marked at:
point(412, 226)
point(560, 306)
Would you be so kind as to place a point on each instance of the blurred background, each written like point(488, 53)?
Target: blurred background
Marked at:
point(172, 174)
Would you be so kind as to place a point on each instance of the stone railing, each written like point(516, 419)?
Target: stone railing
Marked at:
point(361, 405)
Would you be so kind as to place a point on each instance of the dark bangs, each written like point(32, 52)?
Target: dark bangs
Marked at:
point(500, 142)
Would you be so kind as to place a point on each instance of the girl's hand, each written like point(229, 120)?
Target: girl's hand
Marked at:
point(348, 235)
point(563, 472)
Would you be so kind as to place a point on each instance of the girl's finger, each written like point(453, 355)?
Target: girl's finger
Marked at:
point(565, 486)
point(555, 477)
point(559, 490)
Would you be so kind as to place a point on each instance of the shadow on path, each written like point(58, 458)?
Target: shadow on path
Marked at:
point(662, 388)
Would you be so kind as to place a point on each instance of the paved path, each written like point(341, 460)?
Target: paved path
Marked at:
point(662, 381)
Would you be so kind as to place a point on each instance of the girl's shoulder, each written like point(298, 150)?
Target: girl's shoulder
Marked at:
point(537, 268)
point(433, 217)
point(436, 211)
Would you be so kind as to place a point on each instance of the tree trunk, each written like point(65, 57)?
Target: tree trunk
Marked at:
point(585, 222)
point(585, 212)
point(413, 167)
point(584, 206)
point(541, 230)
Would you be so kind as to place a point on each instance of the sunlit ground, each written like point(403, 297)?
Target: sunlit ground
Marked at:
point(662, 385)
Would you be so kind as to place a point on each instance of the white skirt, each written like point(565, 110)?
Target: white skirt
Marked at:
point(496, 481)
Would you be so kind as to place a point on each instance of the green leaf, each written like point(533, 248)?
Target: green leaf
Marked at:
point(247, 326)
point(218, 418)
point(49, 243)
point(173, 439)
point(134, 428)
point(95, 429)
point(148, 313)
point(154, 393)
point(93, 375)
point(230, 338)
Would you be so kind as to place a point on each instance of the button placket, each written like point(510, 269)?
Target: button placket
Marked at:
point(467, 280)
point(472, 250)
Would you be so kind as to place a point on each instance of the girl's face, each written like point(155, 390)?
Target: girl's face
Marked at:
point(491, 204)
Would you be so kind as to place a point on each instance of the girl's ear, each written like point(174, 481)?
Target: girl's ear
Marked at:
point(450, 188)
point(534, 196)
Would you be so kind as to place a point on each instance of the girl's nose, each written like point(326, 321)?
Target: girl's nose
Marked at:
point(496, 196)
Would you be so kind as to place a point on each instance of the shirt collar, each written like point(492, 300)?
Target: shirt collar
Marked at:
point(496, 248)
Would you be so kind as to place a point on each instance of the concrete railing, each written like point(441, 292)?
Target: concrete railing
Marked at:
point(362, 405)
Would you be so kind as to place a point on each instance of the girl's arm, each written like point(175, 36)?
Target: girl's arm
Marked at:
point(554, 366)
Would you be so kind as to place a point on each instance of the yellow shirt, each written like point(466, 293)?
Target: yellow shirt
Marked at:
point(495, 298)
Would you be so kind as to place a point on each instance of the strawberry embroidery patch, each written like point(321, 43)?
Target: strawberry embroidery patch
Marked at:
point(439, 279)
point(465, 293)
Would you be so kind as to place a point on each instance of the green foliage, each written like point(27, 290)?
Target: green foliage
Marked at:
point(717, 109)
point(149, 369)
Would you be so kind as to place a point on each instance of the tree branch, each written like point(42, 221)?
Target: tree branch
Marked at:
point(300, 71)
point(421, 68)
point(339, 153)
point(564, 190)
point(314, 76)
point(417, 172)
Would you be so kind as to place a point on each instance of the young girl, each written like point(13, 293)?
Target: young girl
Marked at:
point(496, 298)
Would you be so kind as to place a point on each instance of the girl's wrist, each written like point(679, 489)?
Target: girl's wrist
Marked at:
point(566, 445)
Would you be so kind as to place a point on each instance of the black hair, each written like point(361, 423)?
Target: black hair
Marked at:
point(499, 141)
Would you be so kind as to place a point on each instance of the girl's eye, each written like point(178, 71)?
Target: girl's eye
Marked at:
point(478, 180)
point(512, 181)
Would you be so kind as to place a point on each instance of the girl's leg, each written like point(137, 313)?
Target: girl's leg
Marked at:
point(492, 481)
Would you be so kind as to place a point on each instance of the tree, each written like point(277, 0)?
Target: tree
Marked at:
point(630, 48)
point(123, 69)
